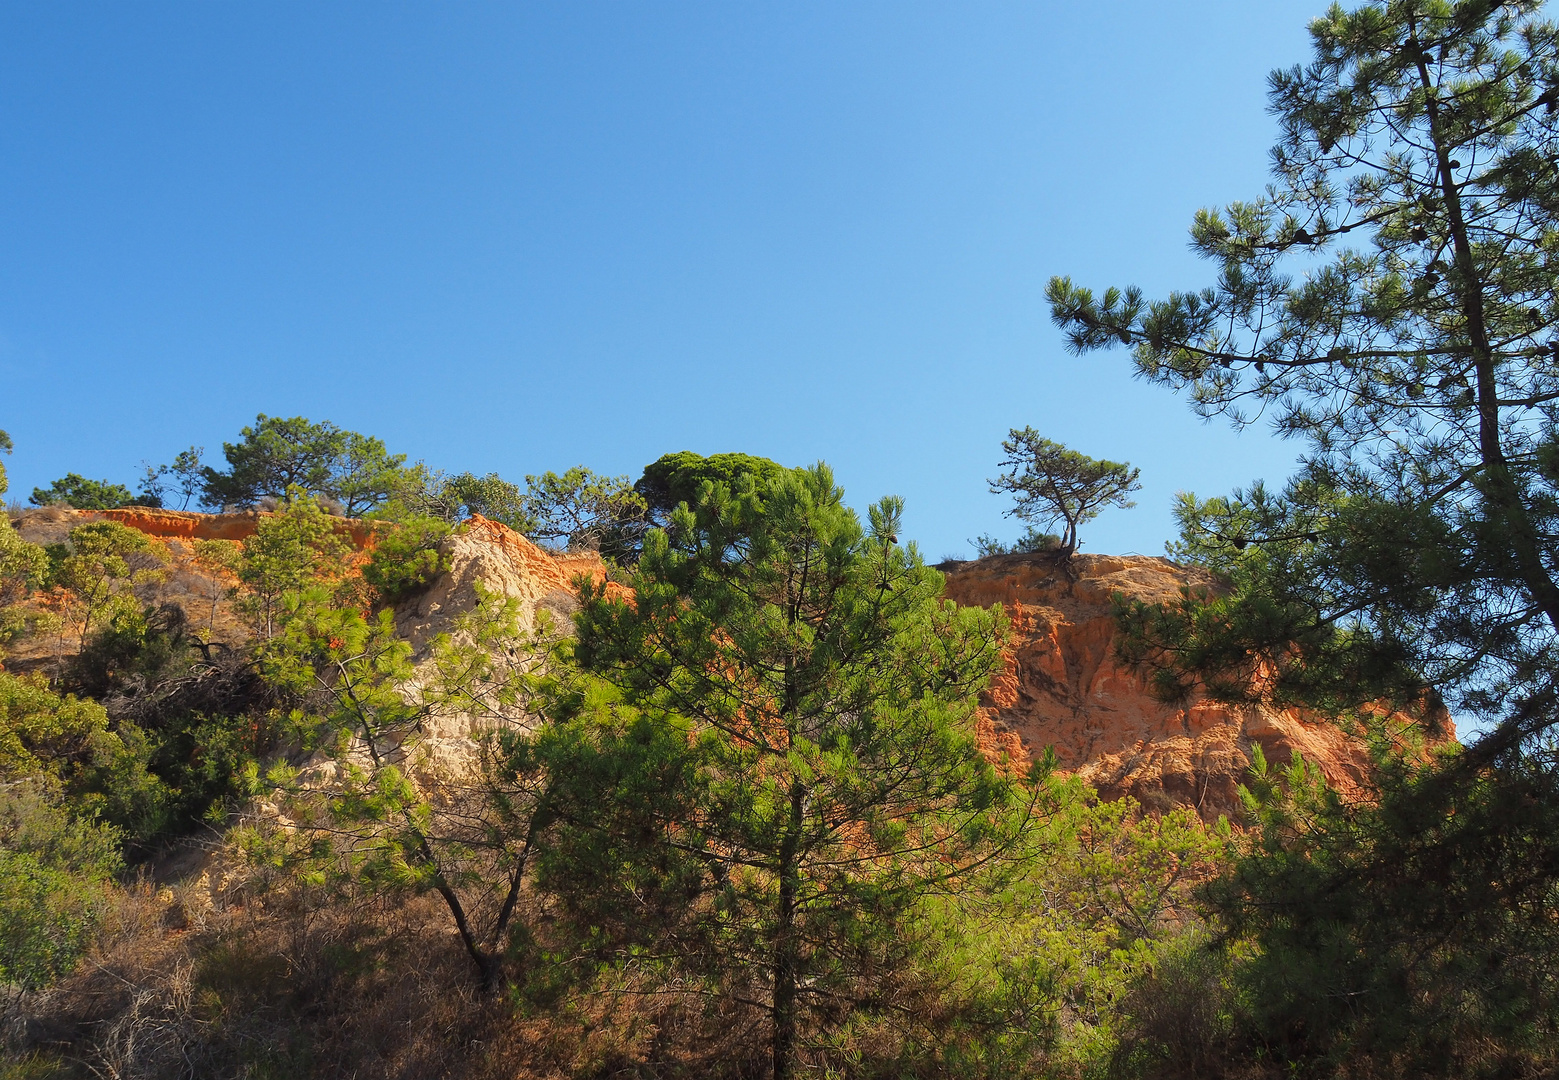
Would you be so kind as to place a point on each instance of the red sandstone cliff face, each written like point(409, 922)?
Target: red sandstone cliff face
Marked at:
point(1063, 686)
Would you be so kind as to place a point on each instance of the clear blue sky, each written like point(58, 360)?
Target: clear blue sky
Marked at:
point(512, 238)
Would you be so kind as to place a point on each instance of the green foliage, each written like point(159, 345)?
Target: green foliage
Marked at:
point(66, 745)
point(1036, 974)
point(197, 715)
point(1319, 545)
point(1414, 933)
point(45, 735)
point(220, 561)
point(823, 697)
point(585, 511)
point(137, 646)
point(1054, 485)
point(1414, 352)
point(1032, 540)
point(83, 494)
point(457, 497)
point(407, 557)
point(1392, 300)
point(297, 546)
point(378, 825)
point(580, 510)
point(188, 479)
point(1110, 897)
point(55, 873)
point(98, 571)
point(276, 455)
point(679, 478)
point(24, 568)
point(6, 446)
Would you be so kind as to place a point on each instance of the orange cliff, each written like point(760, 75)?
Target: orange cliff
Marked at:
point(188, 525)
point(1063, 686)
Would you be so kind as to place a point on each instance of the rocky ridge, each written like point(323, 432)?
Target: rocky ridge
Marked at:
point(1062, 685)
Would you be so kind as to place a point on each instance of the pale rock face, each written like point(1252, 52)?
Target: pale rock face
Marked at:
point(490, 555)
point(1063, 686)
point(502, 561)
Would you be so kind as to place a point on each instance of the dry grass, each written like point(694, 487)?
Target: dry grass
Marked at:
point(189, 985)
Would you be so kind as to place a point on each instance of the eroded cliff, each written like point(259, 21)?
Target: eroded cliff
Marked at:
point(1064, 686)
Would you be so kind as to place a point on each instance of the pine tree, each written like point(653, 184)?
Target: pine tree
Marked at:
point(1390, 300)
point(1054, 485)
point(823, 695)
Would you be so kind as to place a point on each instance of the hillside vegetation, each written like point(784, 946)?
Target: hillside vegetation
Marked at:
point(377, 771)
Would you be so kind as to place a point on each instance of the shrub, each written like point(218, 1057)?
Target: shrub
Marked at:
point(1032, 540)
point(55, 873)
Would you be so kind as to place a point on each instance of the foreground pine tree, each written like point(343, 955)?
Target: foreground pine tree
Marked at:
point(1392, 300)
point(823, 696)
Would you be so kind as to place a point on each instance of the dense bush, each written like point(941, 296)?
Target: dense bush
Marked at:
point(77, 491)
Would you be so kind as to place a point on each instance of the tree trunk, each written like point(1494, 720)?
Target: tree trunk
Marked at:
point(785, 945)
point(1501, 493)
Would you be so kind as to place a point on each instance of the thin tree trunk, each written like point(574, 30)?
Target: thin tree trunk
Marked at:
point(785, 945)
point(488, 965)
point(1500, 492)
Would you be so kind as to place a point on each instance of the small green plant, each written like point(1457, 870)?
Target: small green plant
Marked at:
point(1031, 541)
point(294, 548)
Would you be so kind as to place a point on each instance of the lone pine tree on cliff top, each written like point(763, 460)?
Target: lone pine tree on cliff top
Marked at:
point(1054, 485)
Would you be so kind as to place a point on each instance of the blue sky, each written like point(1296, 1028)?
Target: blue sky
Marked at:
point(519, 237)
